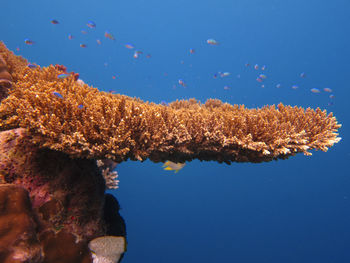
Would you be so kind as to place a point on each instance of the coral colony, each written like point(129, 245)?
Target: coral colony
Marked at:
point(60, 140)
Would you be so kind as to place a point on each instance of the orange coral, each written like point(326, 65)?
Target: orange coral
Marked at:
point(70, 116)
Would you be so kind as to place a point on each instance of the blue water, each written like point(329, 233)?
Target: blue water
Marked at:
point(296, 210)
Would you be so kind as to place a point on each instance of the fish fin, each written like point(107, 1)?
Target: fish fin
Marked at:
point(168, 168)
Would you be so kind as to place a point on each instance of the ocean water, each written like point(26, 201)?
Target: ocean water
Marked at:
point(295, 210)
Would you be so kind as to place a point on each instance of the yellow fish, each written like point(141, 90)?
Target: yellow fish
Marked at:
point(171, 166)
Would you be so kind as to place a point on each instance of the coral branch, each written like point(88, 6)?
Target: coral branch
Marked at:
point(72, 117)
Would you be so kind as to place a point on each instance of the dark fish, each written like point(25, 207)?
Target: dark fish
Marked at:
point(28, 41)
point(63, 76)
point(58, 95)
point(32, 65)
point(109, 35)
point(213, 42)
point(91, 24)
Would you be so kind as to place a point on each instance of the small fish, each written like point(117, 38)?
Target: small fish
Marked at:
point(247, 64)
point(80, 106)
point(327, 90)
point(263, 86)
point(83, 45)
point(171, 166)
point(148, 56)
point(331, 96)
point(70, 37)
point(258, 79)
point(164, 103)
point(28, 41)
point(263, 67)
point(63, 76)
point(225, 74)
point(109, 35)
point(192, 51)
point(30, 65)
point(256, 66)
point(182, 83)
point(262, 76)
point(213, 42)
point(114, 77)
point(129, 46)
point(54, 22)
point(84, 32)
point(314, 90)
point(302, 74)
point(137, 53)
point(295, 87)
point(278, 86)
point(58, 95)
point(226, 88)
point(98, 41)
point(91, 24)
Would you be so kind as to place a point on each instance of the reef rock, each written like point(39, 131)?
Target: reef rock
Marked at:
point(51, 206)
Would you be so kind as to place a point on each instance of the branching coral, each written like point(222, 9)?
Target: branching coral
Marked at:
point(107, 166)
point(72, 117)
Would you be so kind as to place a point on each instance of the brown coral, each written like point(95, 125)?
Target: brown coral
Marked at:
point(18, 239)
point(51, 179)
point(85, 122)
point(51, 206)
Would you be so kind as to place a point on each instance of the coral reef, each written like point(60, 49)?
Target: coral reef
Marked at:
point(72, 117)
point(107, 166)
point(5, 79)
point(60, 140)
point(51, 179)
point(107, 249)
point(115, 225)
point(18, 239)
point(67, 206)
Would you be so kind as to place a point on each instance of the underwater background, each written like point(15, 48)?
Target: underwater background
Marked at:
point(295, 210)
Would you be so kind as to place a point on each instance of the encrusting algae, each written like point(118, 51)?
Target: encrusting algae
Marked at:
point(69, 116)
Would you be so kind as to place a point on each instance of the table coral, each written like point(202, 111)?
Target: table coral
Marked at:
point(54, 127)
point(72, 117)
